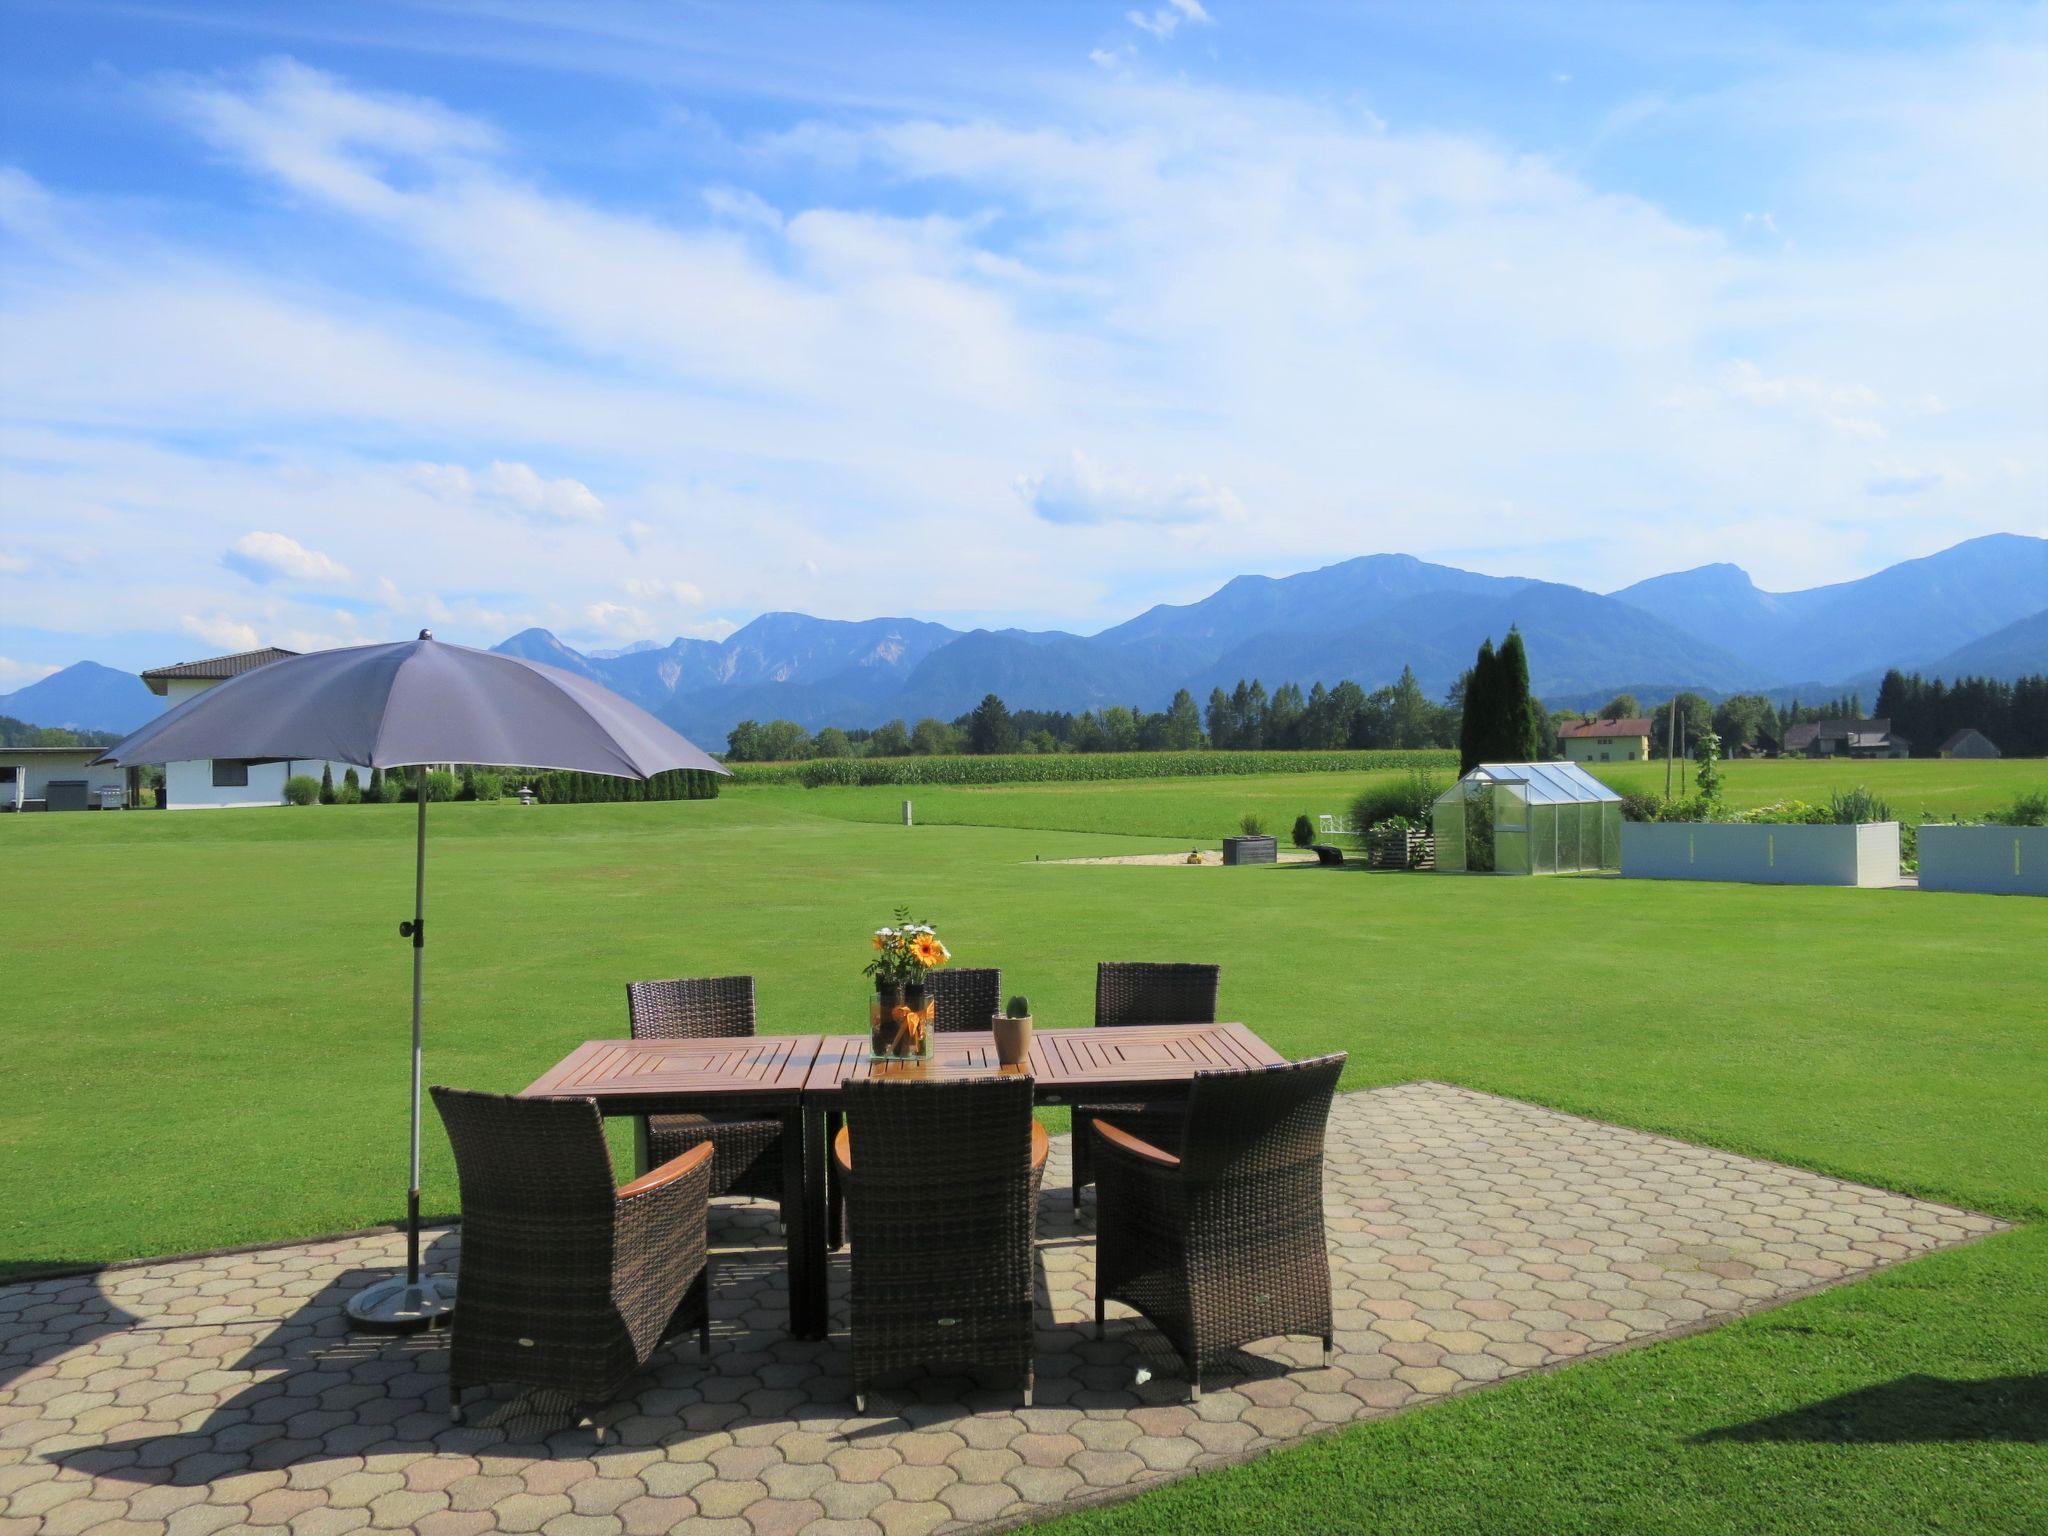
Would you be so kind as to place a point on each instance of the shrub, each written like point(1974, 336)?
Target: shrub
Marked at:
point(327, 783)
point(1252, 824)
point(350, 779)
point(1064, 767)
point(396, 788)
point(302, 789)
point(442, 785)
point(2029, 808)
point(1479, 832)
point(1408, 799)
point(374, 790)
point(486, 784)
point(561, 786)
point(348, 792)
point(1858, 805)
point(1304, 831)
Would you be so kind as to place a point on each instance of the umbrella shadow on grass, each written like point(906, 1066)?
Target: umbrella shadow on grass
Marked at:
point(1911, 1410)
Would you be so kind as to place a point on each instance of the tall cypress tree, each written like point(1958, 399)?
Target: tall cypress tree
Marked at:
point(1521, 733)
point(1476, 732)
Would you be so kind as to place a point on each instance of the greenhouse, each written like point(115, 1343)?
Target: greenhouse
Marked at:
point(1527, 819)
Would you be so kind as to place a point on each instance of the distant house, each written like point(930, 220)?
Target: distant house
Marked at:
point(1969, 742)
point(61, 779)
point(1606, 741)
point(1845, 738)
point(224, 781)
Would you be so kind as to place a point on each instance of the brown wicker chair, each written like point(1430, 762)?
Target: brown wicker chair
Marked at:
point(965, 999)
point(567, 1282)
point(1222, 1245)
point(941, 1181)
point(1143, 992)
point(747, 1159)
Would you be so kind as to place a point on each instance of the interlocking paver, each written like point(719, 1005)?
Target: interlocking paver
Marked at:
point(1472, 1238)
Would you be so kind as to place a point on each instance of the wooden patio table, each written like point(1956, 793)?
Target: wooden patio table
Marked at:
point(751, 1074)
point(1134, 1063)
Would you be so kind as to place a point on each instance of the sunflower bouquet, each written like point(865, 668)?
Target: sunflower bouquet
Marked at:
point(900, 1017)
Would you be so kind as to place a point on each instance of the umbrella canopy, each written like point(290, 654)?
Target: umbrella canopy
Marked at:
point(403, 705)
point(415, 701)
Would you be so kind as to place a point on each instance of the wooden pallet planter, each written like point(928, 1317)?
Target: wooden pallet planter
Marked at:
point(1400, 850)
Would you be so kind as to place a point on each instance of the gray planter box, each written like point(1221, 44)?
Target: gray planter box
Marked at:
point(1251, 850)
point(1761, 855)
point(2007, 861)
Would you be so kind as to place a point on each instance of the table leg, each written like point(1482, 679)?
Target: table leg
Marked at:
point(835, 1200)
point(798, 1222)
point(814, 1308)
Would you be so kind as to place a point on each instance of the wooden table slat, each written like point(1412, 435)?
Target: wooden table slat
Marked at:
point(644, 1069)
point(1061, 1059)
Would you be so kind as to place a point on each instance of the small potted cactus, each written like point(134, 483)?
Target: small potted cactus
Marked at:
point(1013, 1033)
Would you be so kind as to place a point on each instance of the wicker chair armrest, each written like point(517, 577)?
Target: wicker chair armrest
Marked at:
point(1112, 1139)
point(675, 1168)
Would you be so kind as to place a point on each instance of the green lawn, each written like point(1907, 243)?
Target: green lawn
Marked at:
point(203, 1021)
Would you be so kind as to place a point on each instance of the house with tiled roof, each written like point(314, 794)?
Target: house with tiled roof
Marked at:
point(1845, 738)
point(224, 781)
point(1626, 740)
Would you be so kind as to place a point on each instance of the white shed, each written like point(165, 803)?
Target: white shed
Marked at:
point(60, 779)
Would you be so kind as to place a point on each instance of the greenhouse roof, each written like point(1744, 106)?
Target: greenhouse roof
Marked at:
point(1547, 783)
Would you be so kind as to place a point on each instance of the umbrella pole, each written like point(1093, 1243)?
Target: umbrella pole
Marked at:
point(400, 1305)
point(419, 956)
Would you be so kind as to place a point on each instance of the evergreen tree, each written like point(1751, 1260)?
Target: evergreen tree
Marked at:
point(989, 729)
point(1221, 733)
point(1183, 726)
point(1475, 732)
point(1521, 717)
point(327, 783)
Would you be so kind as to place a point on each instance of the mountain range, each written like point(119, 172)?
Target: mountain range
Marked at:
point(1980, 607)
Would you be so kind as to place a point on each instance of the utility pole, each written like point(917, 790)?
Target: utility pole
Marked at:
point(1670, 739)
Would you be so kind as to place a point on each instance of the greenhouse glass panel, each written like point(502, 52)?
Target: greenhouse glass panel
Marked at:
point(1448, 825)
point(1543, 839)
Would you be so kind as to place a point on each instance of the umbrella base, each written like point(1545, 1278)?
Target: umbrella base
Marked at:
point(399, 1305)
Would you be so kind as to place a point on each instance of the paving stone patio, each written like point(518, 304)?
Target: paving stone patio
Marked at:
point(1473, 1238)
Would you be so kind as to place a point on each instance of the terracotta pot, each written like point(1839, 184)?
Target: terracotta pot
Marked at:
point(1013, 1039)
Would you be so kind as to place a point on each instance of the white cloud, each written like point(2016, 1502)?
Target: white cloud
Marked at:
point(19, 674)
point(265, 557)
point(616, 620)
point(656, 590)
point(515, 487)
point(12, 565)
point(1082, 491)
point(218, 629)
point(1163, 22)
point(1379, 333)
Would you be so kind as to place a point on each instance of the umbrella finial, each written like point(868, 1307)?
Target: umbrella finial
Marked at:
point(426, 634)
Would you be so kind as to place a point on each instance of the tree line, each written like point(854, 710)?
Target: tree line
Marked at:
point(2014, 715)
point(1242, 718)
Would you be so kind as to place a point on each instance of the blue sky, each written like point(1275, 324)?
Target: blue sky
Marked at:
point(319, 323)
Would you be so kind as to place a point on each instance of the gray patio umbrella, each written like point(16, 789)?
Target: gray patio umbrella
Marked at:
point(406, 705)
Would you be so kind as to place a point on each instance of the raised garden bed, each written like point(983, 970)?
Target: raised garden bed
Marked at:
point(1762, 853)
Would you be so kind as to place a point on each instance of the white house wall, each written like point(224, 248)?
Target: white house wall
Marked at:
point(189, 786)
point(35, 770)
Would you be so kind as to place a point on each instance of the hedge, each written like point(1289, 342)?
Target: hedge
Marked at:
point(1047, 768)
point(557, 786)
